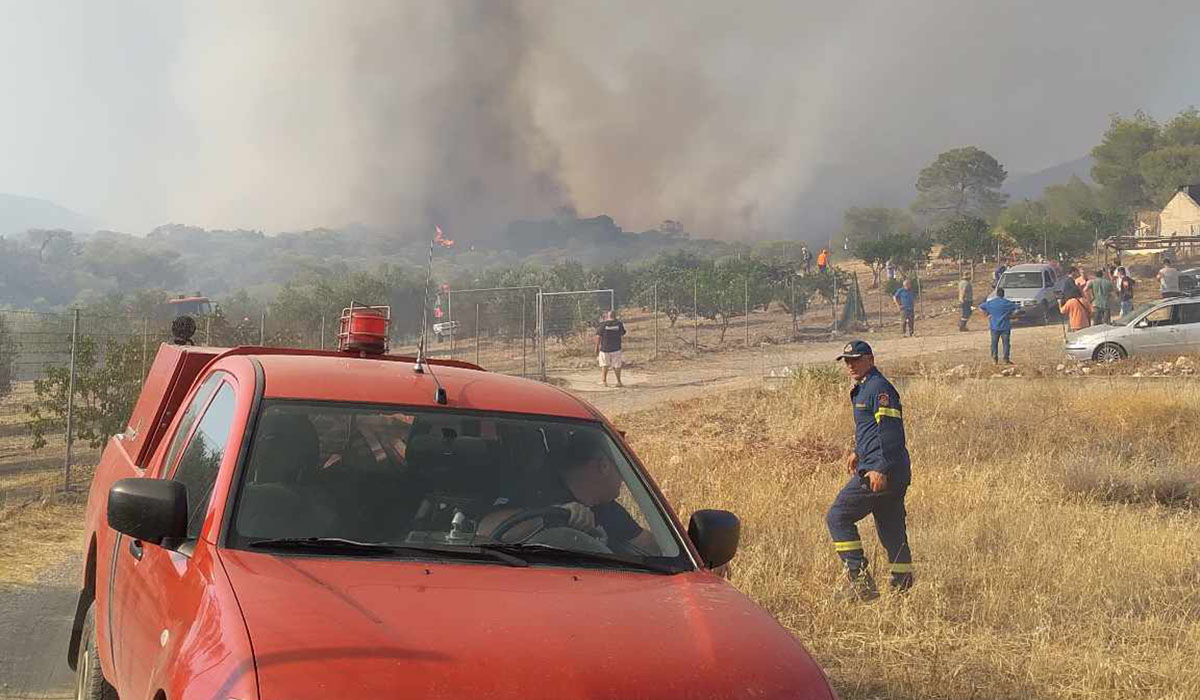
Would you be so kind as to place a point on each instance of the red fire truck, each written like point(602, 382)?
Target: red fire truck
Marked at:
point(292, 524)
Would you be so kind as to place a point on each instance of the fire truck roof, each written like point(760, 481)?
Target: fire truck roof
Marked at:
point(334, 377)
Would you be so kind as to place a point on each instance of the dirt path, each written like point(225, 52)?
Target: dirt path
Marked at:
point(35, 622)
point(732, 370)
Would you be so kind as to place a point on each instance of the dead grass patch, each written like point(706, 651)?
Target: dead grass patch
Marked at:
point(1032, 581)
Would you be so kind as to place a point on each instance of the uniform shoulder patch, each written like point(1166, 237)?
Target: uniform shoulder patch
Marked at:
point(883, 399)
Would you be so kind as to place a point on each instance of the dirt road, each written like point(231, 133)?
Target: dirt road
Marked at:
point(732, 370)
point(35, 621)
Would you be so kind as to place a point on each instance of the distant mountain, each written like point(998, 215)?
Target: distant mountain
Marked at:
point(19, 214)
point(1030, 186)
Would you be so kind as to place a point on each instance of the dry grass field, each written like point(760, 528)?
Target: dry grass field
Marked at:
point(1055, 528)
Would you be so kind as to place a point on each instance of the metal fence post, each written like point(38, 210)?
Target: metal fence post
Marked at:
point(262, 329)
point(541, 335)
point(524, 370)
point(71, 399)
point(746, 299)
point(655, 320)
point(322, 331)
point(792, 280)
point(476, 333)
point(696, 316)
point(208, 330)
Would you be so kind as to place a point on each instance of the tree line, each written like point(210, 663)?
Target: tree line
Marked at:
point(960, 206)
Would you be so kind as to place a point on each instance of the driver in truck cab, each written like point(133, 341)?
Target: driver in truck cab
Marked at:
point(587, 487)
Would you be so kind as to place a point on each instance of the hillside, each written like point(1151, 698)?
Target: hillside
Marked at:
point(19, 214)
point(1030, 186)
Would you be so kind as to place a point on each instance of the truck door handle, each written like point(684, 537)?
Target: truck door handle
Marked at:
point(135, 548)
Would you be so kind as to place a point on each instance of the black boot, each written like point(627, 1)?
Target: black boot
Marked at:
point(857, 589)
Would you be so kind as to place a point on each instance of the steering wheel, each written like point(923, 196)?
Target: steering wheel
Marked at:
point(551, 516)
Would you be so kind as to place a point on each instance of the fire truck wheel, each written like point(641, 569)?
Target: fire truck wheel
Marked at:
point(89, 680)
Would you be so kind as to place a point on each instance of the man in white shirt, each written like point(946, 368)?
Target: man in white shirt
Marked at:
point(1168, 280)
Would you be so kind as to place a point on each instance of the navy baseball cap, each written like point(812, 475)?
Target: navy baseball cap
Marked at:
point(854, 349)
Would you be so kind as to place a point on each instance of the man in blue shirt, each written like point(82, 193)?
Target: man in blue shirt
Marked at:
point(880, 471)
point(904, 301)
point(999, 310)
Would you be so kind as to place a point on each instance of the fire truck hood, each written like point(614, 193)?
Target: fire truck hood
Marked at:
point(352, 628)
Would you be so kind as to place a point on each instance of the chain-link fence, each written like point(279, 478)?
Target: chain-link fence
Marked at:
point(568, 321)
point(67, 382)
point(495, 328)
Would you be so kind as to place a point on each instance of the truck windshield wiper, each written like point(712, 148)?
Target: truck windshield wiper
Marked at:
point(530, 550)
point(342, 545)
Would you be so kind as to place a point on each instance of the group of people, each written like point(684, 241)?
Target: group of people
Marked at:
point(806, 259)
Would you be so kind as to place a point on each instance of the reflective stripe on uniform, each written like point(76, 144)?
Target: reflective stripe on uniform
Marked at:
point(902, 568)
point(848, 546)
point(893, 412)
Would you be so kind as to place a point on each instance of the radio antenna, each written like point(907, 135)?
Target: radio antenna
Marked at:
point(439, 394)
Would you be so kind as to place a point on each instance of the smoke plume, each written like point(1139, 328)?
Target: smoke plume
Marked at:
point(740, 120)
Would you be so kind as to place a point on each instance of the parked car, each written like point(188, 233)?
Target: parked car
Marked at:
point(1032, 287)
point(302, 524)
point(1165, 327)
point(1189, 280)
point(444, 329)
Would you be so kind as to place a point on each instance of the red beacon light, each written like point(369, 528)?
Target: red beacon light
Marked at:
point(364, 329)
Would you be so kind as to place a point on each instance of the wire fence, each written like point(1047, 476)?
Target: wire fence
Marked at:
point(66, 380)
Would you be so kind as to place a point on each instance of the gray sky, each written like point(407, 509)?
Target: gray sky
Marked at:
point(739, 119)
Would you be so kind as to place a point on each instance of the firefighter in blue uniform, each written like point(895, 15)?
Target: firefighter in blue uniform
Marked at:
point(880, 473)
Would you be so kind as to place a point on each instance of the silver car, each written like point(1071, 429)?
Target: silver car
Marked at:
point(1031, 287)
point(1169, 326)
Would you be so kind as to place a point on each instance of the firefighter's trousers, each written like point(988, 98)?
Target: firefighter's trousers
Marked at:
point(853, 503)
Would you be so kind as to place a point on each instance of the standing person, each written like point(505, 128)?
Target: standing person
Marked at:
point(1125, 286)
point(1067, 289)
point(905, 301)
point(608, 346)
point(999, 312)
point(966, 297)
point(1000, 268)
point(1081, 281)
point(1078, 312)
point(806, 258)
point(823, 260)
point(1102, 291)
point(891, 269)
point(880, 472)
point(1168, 280)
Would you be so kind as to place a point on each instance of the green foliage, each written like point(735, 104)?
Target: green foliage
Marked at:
point(295, 317)
point(1165, 169)
point(8, 358)
point(860, 224)
point(960, 182)
point(1116, 158)
point(1183, 129)
point(725, 288)
point(1066, 203)
point(673, 275)
point(966, 240)
point(107, 383)
point(1069, 240)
